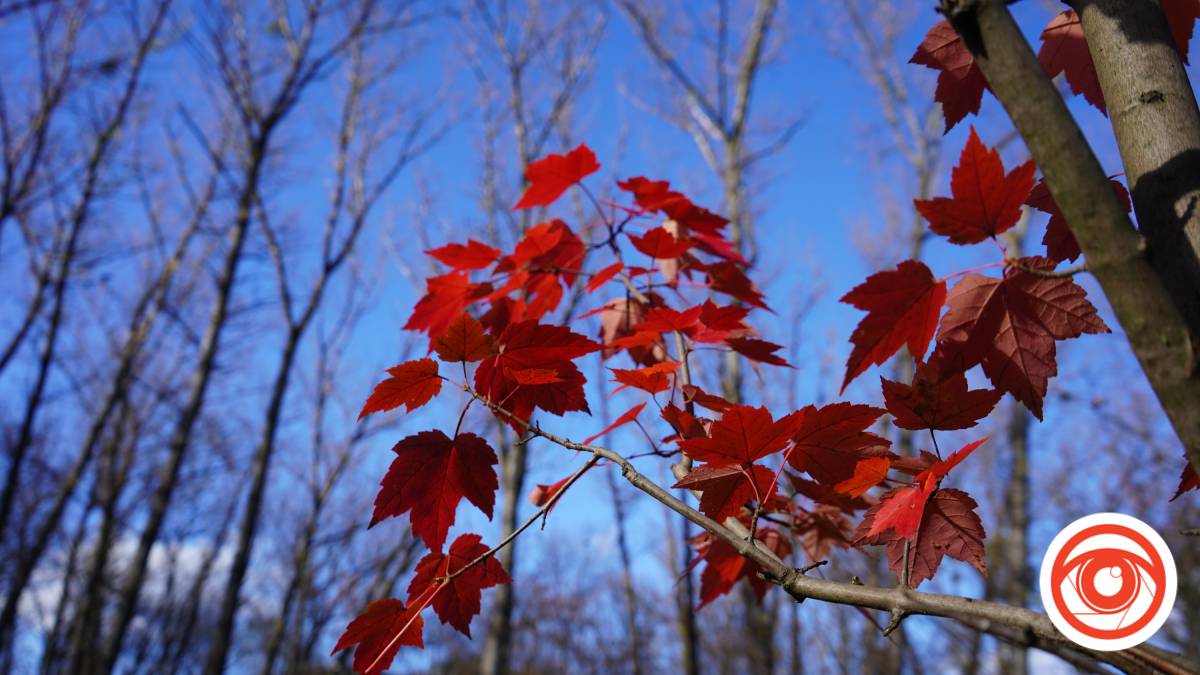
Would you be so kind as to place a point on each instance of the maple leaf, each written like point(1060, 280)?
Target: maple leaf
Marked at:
point(960, 83)
point(667, 320)
point(822, 528)
point(542, 493)
point(1187, 479)
point(685, 424)
point(758, 350)
point(743, 435)
point(661, 244)
point(1064, 50)
point(529, 345)
point(725, 489)
point(720, 324)
point(726, 277)
point(932, 477)
point(411, 384)
point(902, 307)
point(431, 474)
point(604, 276)
point(1060, 243)
point(464, 340)
point(948, 526)
point(470, 256)
point(901, 509)
point(724, 566)
point(458, 600)
point(937, 400)
point(1010, 325)
point(651, 379)
point(694, 394)
point(827, 495)
point(651, 195)
point(380, 632)
point(832, 439)
point(625, 418)
point(445, 298)
point(550, 176)
point(986, 201)
point(1181, 17)
point(868, 473)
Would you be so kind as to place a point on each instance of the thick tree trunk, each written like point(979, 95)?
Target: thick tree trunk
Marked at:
point(1157, 126)
point(1135, 281)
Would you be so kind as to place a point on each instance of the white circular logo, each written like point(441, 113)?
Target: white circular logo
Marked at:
point(1108, 581)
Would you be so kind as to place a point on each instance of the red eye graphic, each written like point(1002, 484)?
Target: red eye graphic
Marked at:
point(1108, 582)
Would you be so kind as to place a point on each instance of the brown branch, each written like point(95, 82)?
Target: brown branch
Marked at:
point(980, 614)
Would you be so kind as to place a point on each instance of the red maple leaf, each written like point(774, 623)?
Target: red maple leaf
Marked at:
point(1187, 479)
point(831, 440)
point(549, 177)
point(1181, 17)
point(445, 298)
point(604, 276)
point(1064, 50)
point(694, 394)
point(937, 400)
point(986, 201)
point(470, 256)
point(827, 495)
point(728, 278)
point(725, 489)
point(902, 307)
point(464, 340)
point(430, 476)
point(651, 379)
point(651, 195)
point(1060, 243)
point(625, 418)
point(743, 435)
point(380, 632)
point(758, 350)
point(661, 244)
point(901, 509)
point(960, 83)
point(667, 320)
point(1010, 325)
point(542, 493)
point(724, 566)
point(948, 526)
point(868, 473)
point(932, 477)
point(457, 600)
point(820, 529)
point(529, 345)
point(411, 384)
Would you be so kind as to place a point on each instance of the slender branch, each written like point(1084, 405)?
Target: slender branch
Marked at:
point(983, 615)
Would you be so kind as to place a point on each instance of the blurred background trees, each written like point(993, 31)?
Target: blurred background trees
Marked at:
point(212, 217)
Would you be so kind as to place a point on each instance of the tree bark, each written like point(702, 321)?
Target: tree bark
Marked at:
point(1165, 343)
point(1157, 126)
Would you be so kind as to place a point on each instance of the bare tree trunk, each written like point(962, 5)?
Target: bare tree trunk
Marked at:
point(96, 162)
point(498, 645)
point(181, 437)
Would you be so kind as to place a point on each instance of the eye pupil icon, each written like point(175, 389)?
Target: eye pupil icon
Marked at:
point(1108, 581)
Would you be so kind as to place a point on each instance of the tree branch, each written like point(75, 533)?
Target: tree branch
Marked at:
point(978, 614)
